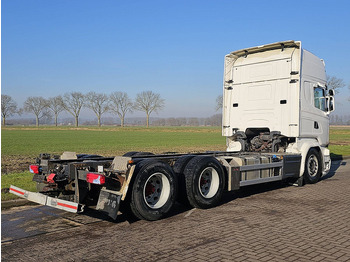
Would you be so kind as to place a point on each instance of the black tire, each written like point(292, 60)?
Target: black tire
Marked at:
point(83, 156)
point(143, 154)
point(179, 168)
point(205, 181)
point(154, 191)
point(131, 153)
point(137, 153)
point(313, 167)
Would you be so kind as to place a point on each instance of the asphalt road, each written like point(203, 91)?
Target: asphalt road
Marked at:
point(270, 222)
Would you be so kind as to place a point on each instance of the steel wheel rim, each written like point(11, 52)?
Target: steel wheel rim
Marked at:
point(156, 191)
point(312, 165)
point(208, 183)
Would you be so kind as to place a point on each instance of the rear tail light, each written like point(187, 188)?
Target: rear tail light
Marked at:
point(95, 178)
point(34, 169)
point(50, 178)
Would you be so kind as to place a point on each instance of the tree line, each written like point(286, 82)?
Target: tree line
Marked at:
point(118, 103)
point(339, 119)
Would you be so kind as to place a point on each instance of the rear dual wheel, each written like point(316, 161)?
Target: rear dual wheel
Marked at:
point(154, 191)
point(205, 181)
point(155, 186)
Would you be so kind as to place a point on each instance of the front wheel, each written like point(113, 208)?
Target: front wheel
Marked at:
point(313, 167)
point(154, 191)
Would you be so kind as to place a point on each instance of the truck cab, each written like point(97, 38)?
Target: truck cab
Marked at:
point(275, 99)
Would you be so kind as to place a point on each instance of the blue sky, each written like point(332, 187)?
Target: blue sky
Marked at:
point(174, 48)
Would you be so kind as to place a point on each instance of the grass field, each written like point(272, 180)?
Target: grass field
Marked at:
point(108, 141)
point(21, 145)
point(339, 137)
point(22, 180)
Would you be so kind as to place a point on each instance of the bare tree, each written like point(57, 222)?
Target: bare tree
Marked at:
point(218, 103)
point(148, 102)
point(38, 106)
point(97, 103)
point(8, 107)
point(335, 83)
point(73, 102)
point(121, 104)
point(55, 104)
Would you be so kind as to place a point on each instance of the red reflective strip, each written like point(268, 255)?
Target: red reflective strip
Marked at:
point(17, 191)
point(65, 205)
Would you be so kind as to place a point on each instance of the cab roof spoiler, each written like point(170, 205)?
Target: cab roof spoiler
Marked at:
point(278, 45)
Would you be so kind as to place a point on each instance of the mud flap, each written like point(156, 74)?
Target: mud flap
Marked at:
point(109, 202)
point(46, 200)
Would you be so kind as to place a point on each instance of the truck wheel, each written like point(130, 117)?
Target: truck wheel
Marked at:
point(179, 168)
point(154, 191)
point(205, 180)
point(313, 167)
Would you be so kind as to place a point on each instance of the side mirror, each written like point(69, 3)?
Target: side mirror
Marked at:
point(331, 92)
point(330, 104)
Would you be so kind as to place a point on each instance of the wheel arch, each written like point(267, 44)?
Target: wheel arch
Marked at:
point(305, 150)
point(225, 170)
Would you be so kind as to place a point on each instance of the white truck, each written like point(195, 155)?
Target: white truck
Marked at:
point(275, 118)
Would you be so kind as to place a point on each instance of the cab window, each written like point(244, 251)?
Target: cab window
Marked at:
point(320, 100)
